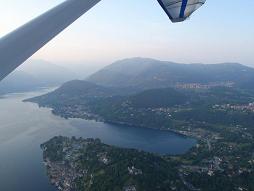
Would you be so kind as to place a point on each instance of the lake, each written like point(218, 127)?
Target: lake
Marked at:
point(24, 126)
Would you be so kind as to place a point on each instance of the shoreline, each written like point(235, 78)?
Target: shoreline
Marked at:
point(124, 124)
point(101, 120)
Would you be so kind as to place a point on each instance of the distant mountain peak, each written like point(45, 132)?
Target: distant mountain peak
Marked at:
point(152, 73)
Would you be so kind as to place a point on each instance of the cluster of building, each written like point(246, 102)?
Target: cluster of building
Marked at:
point(129, 188)
point(103, 158)
point(245, 107)
point(64, 172)
point(62, 176)
point(214, 165)
point(134, 171)
point(204, 86)
point(74, 111)
point(209, 167)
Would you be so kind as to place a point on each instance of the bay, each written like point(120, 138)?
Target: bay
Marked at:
point(24, 126)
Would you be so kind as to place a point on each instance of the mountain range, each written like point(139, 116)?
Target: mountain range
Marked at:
point(35, 74)
point(132, 75)
point(149, 73)
point(148, 79)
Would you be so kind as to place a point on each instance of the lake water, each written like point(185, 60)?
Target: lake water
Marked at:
point(24, 126)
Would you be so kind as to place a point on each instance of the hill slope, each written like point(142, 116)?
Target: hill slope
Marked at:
point(149, 73)
point(35, 74)
point(19, 81)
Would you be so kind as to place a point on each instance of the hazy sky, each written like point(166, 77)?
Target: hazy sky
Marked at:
point(221, 31)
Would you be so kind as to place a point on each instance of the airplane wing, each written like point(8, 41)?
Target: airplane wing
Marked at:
point(22, 43)
point(180, 10)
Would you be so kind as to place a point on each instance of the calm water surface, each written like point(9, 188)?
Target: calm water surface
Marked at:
point(24, 126)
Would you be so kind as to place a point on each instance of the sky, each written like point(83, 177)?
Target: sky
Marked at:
point(221, 31)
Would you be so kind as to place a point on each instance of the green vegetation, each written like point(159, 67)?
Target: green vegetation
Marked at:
point(91, 165)
point(150, 73)
point(220, 118)
point(212, 103)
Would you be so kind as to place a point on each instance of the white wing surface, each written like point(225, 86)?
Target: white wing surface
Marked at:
point(180, 10)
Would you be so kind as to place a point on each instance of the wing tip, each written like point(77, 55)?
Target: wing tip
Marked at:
point(178, 20)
